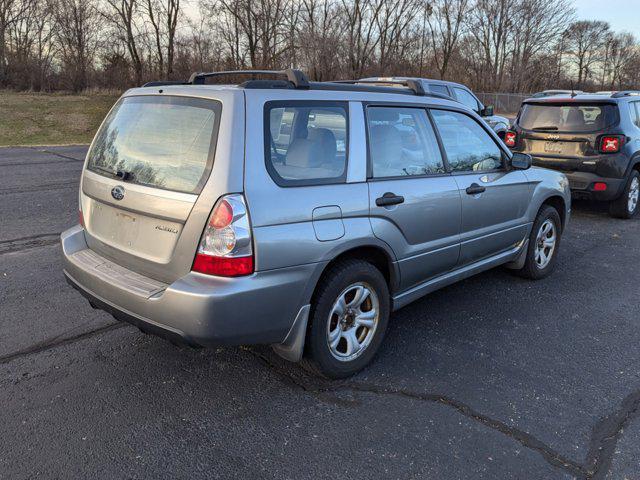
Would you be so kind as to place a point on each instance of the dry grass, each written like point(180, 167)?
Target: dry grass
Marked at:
point(51, 118)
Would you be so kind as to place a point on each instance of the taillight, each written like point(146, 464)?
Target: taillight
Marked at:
point(611, 143)
point(80, 218)
point(599, 187)
point(510, 139)
point(225, 247)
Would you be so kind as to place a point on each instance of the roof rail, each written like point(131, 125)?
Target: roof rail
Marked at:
point(413, 85)
point(626, 93)
point(296, 77)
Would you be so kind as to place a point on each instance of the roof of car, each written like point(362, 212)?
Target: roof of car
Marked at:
point(581, 97)
point(422, 79)
point(296, 86)
point(328, 91)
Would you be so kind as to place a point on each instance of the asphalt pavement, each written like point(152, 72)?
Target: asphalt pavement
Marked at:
point(494, 377)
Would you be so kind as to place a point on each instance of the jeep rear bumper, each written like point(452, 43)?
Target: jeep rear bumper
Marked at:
point(582, 185)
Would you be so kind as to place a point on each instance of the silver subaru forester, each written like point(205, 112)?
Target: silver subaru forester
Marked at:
point(299, 214)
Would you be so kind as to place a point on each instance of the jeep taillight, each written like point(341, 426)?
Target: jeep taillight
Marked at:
point(225, 247)
point(611, 143)
point(510, 139)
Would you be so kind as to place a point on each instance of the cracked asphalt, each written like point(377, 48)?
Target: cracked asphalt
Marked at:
point(494, 377)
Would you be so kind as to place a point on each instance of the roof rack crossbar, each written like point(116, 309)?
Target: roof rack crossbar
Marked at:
point(295, 76)
point(626, 93)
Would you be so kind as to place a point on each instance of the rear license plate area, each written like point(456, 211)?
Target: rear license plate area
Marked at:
point(554, 147)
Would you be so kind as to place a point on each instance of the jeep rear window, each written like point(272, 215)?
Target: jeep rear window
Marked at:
point(567, 118)
point(162, 142)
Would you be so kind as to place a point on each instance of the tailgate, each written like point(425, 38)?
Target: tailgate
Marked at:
point(150, 178)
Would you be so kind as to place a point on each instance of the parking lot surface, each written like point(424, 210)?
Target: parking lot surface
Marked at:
point(494, 377)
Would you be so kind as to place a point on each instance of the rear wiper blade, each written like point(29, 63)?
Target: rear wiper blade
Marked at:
point(548, 127)
point(104, 169)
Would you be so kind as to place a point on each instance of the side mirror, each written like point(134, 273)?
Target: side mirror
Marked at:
point(487, 111)
point(521, 161)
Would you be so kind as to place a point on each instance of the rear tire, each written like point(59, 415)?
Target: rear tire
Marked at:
point(348, 319)
point(544, 243)
point(627, 205)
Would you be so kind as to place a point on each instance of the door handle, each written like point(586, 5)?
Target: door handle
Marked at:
point(475, 189)
point(388, 199)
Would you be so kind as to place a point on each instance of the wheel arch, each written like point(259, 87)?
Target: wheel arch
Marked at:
point(557, 202)
point(380, 257)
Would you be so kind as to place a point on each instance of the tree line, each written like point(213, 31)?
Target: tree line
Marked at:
point(490, 45)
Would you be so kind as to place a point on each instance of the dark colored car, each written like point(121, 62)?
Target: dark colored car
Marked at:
point(593, 139)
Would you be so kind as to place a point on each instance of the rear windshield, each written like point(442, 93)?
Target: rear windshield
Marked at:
point(162, 142)
point(571, 118)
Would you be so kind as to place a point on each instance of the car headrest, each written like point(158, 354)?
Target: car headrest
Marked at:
point(327, 141)
point(304, 153)
point(386, 144)
point(575, 116)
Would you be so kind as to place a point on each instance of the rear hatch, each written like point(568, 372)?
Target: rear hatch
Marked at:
point(143, 195)
point(563, 134)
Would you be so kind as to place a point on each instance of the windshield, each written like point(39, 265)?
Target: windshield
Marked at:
point(162, 142)
point(572, 118)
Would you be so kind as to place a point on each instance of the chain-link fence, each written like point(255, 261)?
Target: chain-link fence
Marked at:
point(505, 103)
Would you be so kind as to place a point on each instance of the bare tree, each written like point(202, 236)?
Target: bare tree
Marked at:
point(584, 41)
point(163, 15)
point(10, 12)
point(492, 45)
point(77, 23)
point(540, 24)
point(123, 15)
point(446, 23)
point(491, 26)
point(319, 38)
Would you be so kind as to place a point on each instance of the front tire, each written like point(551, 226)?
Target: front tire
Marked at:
point(544, 243)
point(627, 205)
point(348, 319)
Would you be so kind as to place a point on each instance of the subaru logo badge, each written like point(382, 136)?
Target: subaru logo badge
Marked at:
point(117, 192)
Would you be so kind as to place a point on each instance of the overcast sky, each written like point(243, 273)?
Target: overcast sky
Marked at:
point(621, 14)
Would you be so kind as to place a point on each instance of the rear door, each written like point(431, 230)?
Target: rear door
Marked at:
point(146, 191)
point(414, 202)
point(494, 197)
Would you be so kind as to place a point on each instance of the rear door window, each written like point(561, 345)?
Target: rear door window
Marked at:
point(468, 146)
point(162, 142)
point(402, 143)
point(306, 142)
point(441, 89)
point(466, 98)
point(571, 118)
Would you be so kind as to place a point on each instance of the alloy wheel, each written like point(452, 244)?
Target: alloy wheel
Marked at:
point(634, 194)
point(352, 322)
point(545, 243)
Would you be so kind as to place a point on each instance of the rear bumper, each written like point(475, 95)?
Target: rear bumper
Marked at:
point(196, 309)
point(582, 186)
